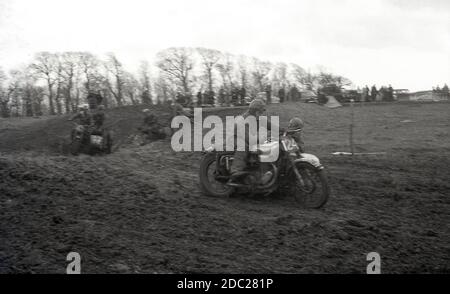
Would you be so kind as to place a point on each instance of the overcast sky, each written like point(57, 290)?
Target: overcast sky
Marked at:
point(402, 42)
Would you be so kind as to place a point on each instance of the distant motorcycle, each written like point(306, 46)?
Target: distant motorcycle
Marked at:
point(86, 140)
point(299, 174)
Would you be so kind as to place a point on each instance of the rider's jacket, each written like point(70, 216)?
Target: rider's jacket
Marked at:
point(99, 119)
point(250, 133)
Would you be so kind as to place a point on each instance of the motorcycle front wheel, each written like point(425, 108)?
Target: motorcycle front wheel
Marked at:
point(313, 190)
point(208, 183)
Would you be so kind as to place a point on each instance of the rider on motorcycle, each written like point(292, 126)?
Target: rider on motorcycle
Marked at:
point(83, 118)
point(98, 120)
point(240, 159)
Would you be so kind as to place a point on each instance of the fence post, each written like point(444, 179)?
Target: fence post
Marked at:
point(352, 118)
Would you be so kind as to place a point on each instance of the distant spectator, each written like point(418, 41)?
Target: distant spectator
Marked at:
point(390, 93)
point(211, 97)
point(199, 98)
point(281, 94)
point(373, 93)
point(446, 92)
point(294, 94)
point(242, 95)
point(365, 94)
point(382, 93)
point(234, 96)
point(221, 96)
point(321, 97)
point(179, 98)
point(268, 91)
point(228, 97)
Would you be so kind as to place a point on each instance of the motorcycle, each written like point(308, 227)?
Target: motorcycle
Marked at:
point(84, 139)
point(293, 172)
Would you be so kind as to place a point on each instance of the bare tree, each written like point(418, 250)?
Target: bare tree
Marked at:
point(243, 66)
point(301, 76)
point(15, 92)
point(23, 94)
point(45, 65)
point(145, 82)
point(89, 65)
point(176, 64)
point(29, 93)
point(324, 78)
point(38, 94)
point(164, 89)
point(114, 68)
point(280, 74)
point(59, 82)
point(259, 73)
point(210, 58)
point(2, 77)
point(78, 88)
point(4, 97)
point(226, 67)
point(70, 75)
point(131, 87)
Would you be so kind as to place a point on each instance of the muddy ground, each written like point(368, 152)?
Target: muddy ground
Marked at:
point(139, 210)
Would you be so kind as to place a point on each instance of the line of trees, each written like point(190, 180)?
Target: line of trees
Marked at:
point(56, 83)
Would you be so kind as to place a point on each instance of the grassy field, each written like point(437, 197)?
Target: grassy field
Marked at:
point(140, 209)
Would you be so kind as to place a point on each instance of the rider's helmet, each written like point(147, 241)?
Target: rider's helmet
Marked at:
point(295, 125)
point(256, 105)
point(145, 111)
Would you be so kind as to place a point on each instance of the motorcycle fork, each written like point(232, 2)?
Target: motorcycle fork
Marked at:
point(296, 172)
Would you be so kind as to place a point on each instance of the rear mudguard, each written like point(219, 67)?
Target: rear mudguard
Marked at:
point(311, 159)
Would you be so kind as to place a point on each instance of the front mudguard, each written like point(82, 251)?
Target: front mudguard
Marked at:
point(311, 159)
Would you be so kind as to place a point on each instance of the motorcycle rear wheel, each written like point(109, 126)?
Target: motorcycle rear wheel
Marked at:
point(208, 184)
